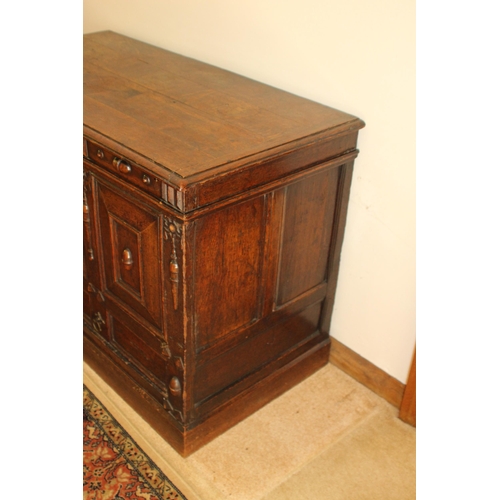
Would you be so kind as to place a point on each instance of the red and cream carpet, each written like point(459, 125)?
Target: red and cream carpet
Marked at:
point(114, 466)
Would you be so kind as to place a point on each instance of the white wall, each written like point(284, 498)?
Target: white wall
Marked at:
point(357, 56)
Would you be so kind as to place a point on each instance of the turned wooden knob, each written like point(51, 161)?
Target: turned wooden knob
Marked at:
point(122, 166)
point(127, 259)
point(175, 386)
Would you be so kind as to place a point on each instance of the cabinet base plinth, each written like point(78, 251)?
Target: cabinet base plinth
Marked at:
point(186, 440)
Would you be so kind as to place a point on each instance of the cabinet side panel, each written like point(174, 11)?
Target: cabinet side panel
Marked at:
point(307, 228)
point(228, 269)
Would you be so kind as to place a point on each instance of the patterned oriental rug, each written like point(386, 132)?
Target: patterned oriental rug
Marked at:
point(114, 466)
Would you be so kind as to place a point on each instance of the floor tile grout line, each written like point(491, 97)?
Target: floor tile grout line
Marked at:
point(384, 411)
point(377, 401)
point(313, 457)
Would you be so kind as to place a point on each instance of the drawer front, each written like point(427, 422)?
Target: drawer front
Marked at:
point(138, 345)
point(127, 170)
point(131, 249)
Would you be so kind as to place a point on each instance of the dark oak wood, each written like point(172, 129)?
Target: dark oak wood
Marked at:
point(304, 267)
point(214, 211)
point(367, 373)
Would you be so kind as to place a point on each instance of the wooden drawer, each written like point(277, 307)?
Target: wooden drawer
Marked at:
point(122, 167)
point(138, 345)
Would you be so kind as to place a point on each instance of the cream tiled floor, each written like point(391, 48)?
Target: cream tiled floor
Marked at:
point(329, 438)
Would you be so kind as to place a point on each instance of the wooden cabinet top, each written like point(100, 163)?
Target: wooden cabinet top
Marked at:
point(187, 116)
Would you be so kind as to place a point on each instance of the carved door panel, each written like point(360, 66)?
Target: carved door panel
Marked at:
point(93, 299)
point(131, 249)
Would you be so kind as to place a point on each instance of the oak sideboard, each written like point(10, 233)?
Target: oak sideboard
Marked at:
point(214, 210)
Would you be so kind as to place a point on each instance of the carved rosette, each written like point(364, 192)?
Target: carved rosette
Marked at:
point(172, 231)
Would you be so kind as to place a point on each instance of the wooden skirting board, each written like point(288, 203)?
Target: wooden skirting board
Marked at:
point(408, 410)
point(366, 373)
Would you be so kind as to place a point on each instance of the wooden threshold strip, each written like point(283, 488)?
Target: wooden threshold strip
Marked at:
point(366, 373)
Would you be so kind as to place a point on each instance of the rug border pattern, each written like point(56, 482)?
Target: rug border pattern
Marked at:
point(90, 402)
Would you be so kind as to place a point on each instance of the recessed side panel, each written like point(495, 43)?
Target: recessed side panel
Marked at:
point(306, 234)
point(227, 270)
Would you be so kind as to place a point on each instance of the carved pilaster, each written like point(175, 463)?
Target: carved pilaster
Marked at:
point(173, 395)
point(172, 231)
point(86, 215)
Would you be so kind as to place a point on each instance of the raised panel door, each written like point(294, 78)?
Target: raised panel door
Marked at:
point(131, 248)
